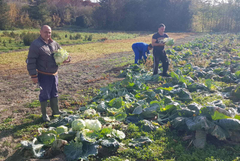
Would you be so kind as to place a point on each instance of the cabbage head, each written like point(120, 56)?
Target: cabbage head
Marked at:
point(61, 129)
point(47, 139)
point(60, 56)
point(119, 134)
point(86, 135)
point(78, 125)
point(168, 41)
point(94, 125)
point(90, 113)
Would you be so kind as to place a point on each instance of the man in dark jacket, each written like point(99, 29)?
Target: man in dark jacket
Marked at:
point(159, 53)
point(140, 49)
point(43, 70)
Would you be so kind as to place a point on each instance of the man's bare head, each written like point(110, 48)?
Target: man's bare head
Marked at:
point(46, 32)
point(161, 29)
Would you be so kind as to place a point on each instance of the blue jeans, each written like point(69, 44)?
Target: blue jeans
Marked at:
point(138, 54)
point(49, 86)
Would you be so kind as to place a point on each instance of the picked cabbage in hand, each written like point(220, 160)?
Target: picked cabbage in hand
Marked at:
point(60, 56)
point(168, 41)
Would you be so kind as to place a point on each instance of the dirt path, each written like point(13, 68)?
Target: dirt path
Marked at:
point(76, 82)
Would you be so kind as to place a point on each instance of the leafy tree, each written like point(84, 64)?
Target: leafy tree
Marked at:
point(13, 13)
point(144, 14)
point(39, 10)
point(110, 14)
point(4, 15)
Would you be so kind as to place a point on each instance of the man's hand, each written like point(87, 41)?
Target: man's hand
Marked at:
point(35, 80)
point(68, 60)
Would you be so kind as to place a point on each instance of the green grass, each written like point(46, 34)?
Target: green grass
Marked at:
point(168, 145)
point(33, 104)
point(8, 43)
point(64, 97)
point(24, 129)
point(83, 52)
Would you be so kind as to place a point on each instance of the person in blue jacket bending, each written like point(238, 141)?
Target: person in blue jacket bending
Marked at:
point(140, 48)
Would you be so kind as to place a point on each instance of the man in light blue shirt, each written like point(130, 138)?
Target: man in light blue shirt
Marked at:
point(140, 48)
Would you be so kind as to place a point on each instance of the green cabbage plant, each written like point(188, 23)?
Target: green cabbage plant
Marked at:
point(78, 125)
point(60, 56)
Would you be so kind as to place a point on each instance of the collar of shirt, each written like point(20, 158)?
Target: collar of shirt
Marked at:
point(49, 41)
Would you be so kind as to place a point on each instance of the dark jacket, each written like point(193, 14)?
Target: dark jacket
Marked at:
point(40, 57)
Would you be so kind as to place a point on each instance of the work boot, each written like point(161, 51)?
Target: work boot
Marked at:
point(44, 112)
point(165, 75)
point(54, 106)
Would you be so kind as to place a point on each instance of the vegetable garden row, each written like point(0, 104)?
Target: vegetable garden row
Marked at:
point(202, 97)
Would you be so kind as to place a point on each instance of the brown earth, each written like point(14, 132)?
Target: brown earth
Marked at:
point(77, 82)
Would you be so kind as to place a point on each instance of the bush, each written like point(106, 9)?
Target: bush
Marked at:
point(29, 37)
point(56, 36)
point(4, 43)
point(5, 33)
point(89, 38)
point(22, 35)
point(85, 38)
point(78, 36)
point(13, 35)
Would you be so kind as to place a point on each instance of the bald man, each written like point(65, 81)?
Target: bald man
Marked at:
point(43, 70)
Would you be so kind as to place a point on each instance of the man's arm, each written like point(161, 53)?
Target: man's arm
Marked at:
point(157, 44)
point(32, 63)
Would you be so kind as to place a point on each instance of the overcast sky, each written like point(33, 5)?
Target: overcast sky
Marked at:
point(94, 0)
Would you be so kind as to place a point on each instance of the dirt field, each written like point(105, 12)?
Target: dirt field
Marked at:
point(77, 81)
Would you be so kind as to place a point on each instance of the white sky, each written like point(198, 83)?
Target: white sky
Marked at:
point(212, 0)
point(95, 1)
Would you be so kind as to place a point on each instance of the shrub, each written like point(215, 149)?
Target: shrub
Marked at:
point(22, 35)
point(5, 33)
point(17, 39)
point(89, 38)
point(13, 35)
point(85, 38)
point(78, 36)
point(103, 39)
point(4, 43)
point(56, 36)
point(29, 37)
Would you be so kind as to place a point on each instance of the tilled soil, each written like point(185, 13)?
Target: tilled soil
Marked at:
point(76, 82)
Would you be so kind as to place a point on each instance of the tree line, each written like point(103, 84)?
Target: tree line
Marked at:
point(144, 15)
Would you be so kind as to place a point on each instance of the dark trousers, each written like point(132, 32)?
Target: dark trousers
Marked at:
point(49, 86)
point(157, 57)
